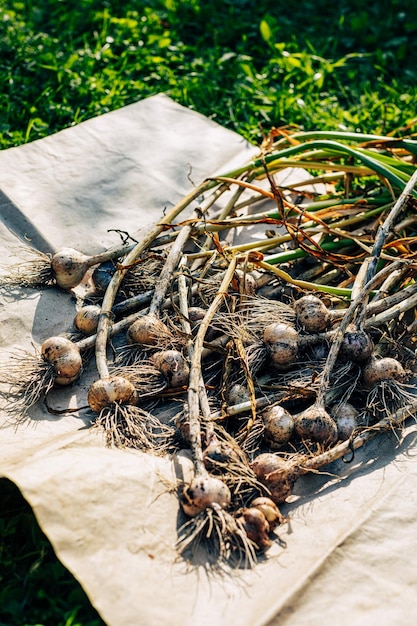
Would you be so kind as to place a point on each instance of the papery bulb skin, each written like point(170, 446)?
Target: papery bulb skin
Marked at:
point(146, 331)
point(69, 267)
point(312, 314)
point(377, 370)
point(86, 319)
point(281, 341)
point(106, 391)
point(204, 492)
point(173, 366)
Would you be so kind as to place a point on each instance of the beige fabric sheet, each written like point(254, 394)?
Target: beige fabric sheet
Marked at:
point(351, 544)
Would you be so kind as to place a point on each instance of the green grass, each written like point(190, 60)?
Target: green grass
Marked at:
point(35, 588)
point(248, 65)
point(347, 65)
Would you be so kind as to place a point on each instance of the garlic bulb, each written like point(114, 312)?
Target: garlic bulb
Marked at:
point(312, 314)
point(204, 492)
point(147, 331)
point(346, 418)
point(277, 474)
point(256, 527)
point(270, 510)
point(281, 341)
point(377, 370)
point(316, 424)
point(173, 366)
point(357, 346)
point(64, 355)
point(237, 394)
point(86, 319)
point(105, 391)
point(279, 426)
point(69, 267)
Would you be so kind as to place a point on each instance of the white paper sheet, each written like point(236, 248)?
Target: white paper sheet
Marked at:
point(108, 513)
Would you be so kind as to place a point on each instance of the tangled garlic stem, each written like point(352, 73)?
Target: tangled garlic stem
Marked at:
point(385, 228)
point(169, 268)
point(357, 303)
point(195, 370)
point(104, 324)
point(210, 524)
point(394, 420)
point(280, 474)
point(149, 330)
point(315, 423)
point(193, 500)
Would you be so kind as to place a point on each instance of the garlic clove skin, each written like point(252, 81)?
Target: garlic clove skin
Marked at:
point(69, 267)
point(105, 391)
point(205, 492)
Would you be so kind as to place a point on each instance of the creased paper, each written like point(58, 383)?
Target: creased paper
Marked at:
point(112, 515)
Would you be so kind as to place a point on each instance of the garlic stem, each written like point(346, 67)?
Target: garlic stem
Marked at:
point(195, 427)
point(169, 268)
point(390, 421)
point(388, 225)
point(347, 319)
point(105, 318)
point(195, 367)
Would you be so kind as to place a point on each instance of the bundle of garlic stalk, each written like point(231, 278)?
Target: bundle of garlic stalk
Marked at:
point(281, 354)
